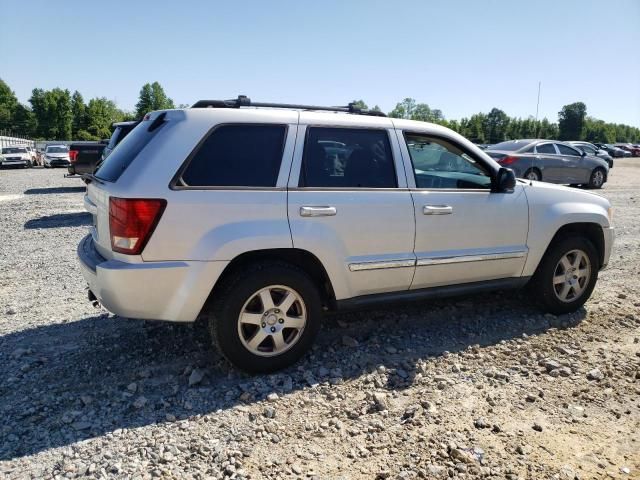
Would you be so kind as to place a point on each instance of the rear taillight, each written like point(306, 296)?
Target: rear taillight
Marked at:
point(73, 156)
point(132, 221)
point(508, 160)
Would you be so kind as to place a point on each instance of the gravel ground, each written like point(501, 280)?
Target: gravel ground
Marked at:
point(474, 387)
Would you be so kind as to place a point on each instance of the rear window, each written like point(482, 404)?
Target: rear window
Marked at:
point(546, 148)
point(510, 146)
point(127, 150)
point(237, 156)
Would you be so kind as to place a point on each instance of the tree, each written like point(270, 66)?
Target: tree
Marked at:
point(24, 121)
point(152, 97)
point(53, 113)
point(495, 127)
point(78, 109)
point(101, 113)
point(360, 104)
point(8, 105)
point(404, 109)
point(571, 121)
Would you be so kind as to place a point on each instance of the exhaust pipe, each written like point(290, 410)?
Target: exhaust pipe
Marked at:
point(93, 299)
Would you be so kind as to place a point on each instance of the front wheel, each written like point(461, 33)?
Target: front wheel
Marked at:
point(597, 179)
point(265, 318)
point(566, 276)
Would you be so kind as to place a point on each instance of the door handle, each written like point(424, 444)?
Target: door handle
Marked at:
point(311, 211)
point(437, 210)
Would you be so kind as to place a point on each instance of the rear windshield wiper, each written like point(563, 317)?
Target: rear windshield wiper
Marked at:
point(90, 177)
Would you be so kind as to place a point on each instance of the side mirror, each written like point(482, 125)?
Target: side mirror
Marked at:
point(584, 154)
point(505, 181)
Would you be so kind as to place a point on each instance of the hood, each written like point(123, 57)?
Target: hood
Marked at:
point(57, 155)
point(562, 193)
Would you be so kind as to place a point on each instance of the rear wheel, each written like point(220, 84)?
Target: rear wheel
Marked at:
point(533, 174)
point(566, 276)
point(597, 179)
point(265, 318)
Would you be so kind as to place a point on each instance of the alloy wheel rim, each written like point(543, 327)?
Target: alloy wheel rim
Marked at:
point(532, 176)
point(598, 178)
point(571, 275)
point(272, 320)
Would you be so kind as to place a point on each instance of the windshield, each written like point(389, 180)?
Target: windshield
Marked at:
point(510, 146)
point(56, 150)
point(14, 150)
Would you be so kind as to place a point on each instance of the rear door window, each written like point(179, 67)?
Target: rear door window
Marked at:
point(546, 148)
point(564, 150)
point(347, 158)
point(127, 150)
point(237, 156)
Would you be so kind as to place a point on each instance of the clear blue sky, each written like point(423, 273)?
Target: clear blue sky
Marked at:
point(460, 56)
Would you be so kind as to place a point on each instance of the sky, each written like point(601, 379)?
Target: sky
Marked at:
point(462, 57)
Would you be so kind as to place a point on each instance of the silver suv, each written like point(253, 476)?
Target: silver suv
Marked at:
point(262, 219)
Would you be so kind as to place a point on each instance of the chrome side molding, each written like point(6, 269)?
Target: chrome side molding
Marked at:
point(423, 262)
point(357, 267)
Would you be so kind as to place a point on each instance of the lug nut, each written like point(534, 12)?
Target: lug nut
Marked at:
point(273, 329)
point(281, 320)
point(277, 311)
point(264, 324)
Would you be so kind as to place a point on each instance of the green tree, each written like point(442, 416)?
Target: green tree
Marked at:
point(571, 120)
point(360, 104)
point(495, 127)
point(8, 105)
point(404, 109)
point(24, 121)
point(101, 113)
point(78, 109)
point(152, 97)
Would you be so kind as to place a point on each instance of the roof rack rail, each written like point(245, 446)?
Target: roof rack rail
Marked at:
point(244, 101)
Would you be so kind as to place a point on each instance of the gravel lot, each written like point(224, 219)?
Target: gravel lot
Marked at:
point(475, 387)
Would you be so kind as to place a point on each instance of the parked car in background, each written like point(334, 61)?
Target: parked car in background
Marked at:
point(56, 156)
point(242, 217)
point(84, 156)
point(615, 152)
point(591, 149)
point(632, 149)
point(16, 157)
point(33, 154)
point(550, 161)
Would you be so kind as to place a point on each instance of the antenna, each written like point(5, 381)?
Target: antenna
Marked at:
point(536, 124)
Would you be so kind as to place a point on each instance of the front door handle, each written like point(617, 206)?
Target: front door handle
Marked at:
point(437, 210)
point(313, 211)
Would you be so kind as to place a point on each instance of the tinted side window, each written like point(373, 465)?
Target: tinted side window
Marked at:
point(347, 158)
point(564, 150)
point(546, 148)
point(238, 156)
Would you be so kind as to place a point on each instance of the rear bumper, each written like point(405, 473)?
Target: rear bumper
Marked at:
point(172, 291)
point(609, 237)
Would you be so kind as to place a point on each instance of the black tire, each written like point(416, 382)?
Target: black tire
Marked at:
point(598, 178)
point(533, 171)
point(542, 286)
point(237, 289)
point(29, 164)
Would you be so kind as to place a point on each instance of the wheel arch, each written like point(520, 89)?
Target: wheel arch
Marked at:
point(300, 258)
point(590, 230)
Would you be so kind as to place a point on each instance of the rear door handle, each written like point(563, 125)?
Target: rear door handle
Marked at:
point(437, 210)
point(313, 211)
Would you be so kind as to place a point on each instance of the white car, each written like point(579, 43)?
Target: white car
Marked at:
point(56, 156)
point(261, 219)
point(15, 156)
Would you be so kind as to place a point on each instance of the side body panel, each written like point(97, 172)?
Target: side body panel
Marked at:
point(366, 245)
